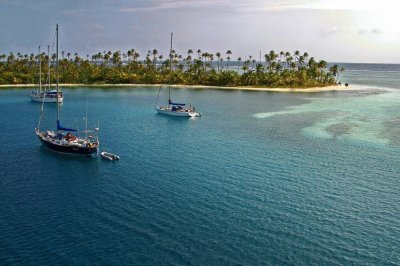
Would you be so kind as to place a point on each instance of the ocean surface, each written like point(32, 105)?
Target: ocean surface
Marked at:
point(261, 178)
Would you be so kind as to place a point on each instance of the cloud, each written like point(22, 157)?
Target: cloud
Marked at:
point(329, 32)
point(374, 31)
point(154, 5)
point(237, 5)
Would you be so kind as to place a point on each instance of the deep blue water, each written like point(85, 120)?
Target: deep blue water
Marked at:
point(261, 178)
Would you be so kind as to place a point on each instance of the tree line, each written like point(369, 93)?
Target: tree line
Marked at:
point(283, 69)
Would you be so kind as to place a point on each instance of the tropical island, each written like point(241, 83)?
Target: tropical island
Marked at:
point(276, 70)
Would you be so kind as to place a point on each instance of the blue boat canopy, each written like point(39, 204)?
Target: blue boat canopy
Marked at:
point(177, 104)
point(60, 127)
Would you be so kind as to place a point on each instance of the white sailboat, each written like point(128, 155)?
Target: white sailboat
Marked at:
point(173, 108)
point(45, 94)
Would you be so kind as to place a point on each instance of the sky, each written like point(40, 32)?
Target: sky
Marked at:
point(334, 30)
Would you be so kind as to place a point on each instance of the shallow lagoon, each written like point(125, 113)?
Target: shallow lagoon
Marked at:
point(260, 178)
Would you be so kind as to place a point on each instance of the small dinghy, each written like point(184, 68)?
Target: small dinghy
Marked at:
point(109, 156)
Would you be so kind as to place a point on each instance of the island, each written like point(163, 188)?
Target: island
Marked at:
point(283, 71)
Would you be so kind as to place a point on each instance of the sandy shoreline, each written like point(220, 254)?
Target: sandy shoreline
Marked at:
point(312, 89)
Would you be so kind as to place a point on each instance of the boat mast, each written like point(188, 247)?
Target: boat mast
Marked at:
point(40, 71)
point(48, 71)
point(170, 71)
point(58, 102)
point(86, 117)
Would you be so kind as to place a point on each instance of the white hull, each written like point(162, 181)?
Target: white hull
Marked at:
point(35, 98)
point(109, 156)
point(50, 98)
point(184, 113)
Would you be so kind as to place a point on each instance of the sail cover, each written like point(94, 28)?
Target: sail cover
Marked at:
point(178, 104)
point(60, 127)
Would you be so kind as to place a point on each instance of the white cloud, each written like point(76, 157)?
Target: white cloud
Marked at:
point(376, 31)
point(172, 4)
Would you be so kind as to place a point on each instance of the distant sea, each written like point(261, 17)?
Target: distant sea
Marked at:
point(261, 178)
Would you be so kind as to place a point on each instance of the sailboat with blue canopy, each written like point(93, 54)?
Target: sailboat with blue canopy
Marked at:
point(174, 108)
point(62, 140)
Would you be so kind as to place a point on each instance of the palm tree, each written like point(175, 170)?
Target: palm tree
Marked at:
point(106, 58)
point(296, 56)
point(228, 53)
point(305, 55)
point(129, 54)
point(136, 56)
point(239, 60)
point(189, 57)
point(301, 61)
point(155, 53)
point(287, 55)
point(99, 56)
point(322, 64)
point(250, 60)
point(281, 55)
point(218, 55)
point(211, 56)
point(289, 60)
point(199, 53)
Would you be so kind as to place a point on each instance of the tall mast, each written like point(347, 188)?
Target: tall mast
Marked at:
point(48, 70)
point(86, 117)
point(40, 72)
point(58, 102)
point(170, 70)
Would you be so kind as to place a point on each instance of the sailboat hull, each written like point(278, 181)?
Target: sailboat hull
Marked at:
point(67, 149)
point(169, 112)
point(39, 98)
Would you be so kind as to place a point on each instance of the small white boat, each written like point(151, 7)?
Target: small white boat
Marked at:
point(109, 156)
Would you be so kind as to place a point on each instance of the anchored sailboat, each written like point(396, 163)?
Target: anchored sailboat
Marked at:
point(175, 109)
point(62, 139)
point(46, 95)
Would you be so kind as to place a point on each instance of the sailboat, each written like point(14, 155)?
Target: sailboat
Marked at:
point(62, 139)
point(46, 95)
point(173, 108)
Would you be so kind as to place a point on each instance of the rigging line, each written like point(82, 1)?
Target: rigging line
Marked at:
point(40, 71)
point(170, 70)
point(41, 110)
point(155, 105)
point(86, 117)
point(49, 66)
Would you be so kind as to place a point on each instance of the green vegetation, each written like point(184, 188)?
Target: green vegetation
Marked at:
point(277, 69)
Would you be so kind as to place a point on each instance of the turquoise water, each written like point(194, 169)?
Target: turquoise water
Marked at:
point(261, 178)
